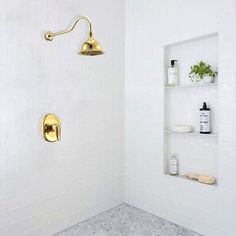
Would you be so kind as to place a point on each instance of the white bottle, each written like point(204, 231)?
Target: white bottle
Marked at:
point(173, 165)
point(173, 74)
point(205, 124)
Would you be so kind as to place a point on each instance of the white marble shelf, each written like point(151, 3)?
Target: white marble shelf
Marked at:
point(192, 133)
point(191, 86)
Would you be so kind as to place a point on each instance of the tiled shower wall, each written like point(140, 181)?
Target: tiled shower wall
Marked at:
point(47, 187)
point(154, 24)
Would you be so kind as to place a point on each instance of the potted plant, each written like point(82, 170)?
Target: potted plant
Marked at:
point(202, 72)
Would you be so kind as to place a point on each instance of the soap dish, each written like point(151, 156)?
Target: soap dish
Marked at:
point(183, 128)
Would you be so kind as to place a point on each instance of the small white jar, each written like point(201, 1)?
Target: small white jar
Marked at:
point(173, 165)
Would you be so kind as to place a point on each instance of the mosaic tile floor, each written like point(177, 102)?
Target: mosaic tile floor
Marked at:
point(125, 220)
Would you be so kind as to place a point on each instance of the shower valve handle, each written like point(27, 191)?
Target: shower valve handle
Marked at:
point(51, 128)
point(56, 128)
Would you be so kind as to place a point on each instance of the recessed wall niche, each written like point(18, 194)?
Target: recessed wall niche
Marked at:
point(196, 153)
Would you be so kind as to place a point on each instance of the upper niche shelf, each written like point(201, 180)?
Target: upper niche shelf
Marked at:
point(190, 86)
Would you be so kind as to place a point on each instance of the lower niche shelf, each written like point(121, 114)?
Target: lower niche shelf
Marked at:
point(190, 180)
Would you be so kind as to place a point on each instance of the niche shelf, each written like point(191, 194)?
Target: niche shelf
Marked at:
point(191, 133)
point(193, 85)
point(197, 153)
point(181, 177)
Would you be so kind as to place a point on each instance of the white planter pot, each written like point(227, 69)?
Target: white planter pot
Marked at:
point(207, 79)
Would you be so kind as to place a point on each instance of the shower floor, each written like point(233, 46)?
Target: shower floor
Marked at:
point(125, 220)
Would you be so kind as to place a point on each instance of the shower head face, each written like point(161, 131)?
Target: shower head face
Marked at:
point(91, 48)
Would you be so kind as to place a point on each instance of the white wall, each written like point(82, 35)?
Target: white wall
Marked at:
point(47, 187)
point(149, 26)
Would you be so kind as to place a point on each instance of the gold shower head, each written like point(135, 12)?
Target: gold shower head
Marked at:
point(89, 48)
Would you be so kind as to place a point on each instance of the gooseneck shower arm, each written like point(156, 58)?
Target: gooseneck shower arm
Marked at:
point(50, 35)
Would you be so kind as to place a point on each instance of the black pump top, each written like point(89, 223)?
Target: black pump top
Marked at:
point(204, 107)
point(172, 62)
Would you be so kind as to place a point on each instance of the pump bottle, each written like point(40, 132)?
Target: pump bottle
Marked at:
point(205, 123)
point(173, 74)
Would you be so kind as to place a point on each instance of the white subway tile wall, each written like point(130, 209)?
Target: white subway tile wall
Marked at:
point(47, 187)
point(154, 24)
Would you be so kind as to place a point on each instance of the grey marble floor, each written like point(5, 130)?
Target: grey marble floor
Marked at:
point(125, 220)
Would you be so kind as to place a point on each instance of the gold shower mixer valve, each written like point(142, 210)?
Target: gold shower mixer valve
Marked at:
point(51, 128)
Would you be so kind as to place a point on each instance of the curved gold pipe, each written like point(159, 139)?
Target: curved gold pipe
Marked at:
point(50, 35)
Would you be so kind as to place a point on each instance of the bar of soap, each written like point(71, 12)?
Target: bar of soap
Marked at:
point(206, 179)
point(183, 128)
